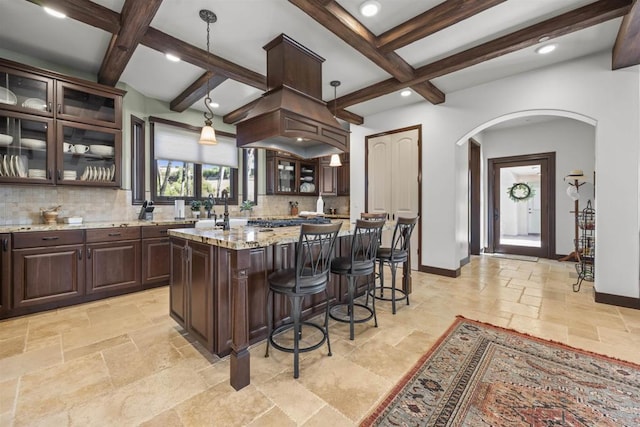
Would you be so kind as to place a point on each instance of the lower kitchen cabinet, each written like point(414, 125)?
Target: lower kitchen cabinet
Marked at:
point(113, 260)
point(5, 273)
point(156, 251)
point(48, 268)
point(191, 289)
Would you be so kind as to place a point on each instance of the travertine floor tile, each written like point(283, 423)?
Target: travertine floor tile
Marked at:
point(123, 361)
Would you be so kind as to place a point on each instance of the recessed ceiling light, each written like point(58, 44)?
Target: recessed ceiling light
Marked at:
point(214, 104)
point(299, 139)
point(171, 57)
point(405, 93)
point(547, 48)
point(370, 8)
point(54, 12)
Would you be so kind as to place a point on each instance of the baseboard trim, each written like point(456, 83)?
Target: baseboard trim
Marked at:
point(618, 300)
point(440, 271)
point(465, 261)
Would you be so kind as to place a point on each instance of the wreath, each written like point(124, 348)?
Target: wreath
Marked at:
point(520, 191)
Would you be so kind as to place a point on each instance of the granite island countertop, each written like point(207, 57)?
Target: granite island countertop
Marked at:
point(247, 237)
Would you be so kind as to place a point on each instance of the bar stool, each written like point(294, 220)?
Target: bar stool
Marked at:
point(397, 253)
point(310, 276)
point(373, 216)
point(361, 262)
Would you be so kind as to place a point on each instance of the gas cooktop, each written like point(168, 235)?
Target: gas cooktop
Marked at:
point(273, 223)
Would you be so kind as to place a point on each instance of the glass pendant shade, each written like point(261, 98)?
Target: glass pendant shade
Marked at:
point(208, 135)
point(335, 160)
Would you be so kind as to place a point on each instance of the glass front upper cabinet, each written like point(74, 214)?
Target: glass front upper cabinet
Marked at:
point(24, 92)
point(286, 182)
point(87, 155)
point(83, 104)
point(25, 148)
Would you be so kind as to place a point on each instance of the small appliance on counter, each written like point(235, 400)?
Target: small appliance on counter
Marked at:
point(146, 211)
point(178, 209)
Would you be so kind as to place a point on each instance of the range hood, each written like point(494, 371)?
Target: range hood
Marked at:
point(291, 115)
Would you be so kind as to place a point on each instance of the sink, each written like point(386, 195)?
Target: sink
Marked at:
point(210, 223)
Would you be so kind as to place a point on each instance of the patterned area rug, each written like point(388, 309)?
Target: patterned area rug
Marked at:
point(482, 375)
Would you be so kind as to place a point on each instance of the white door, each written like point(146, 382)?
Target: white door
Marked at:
point(393, 180)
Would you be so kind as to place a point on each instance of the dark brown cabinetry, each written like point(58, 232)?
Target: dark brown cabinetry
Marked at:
point(156, 251)
point(48, 268)
point(58, 130)
point(334, 181)
point(191, 291)
point(113, 260)
point(343, 176)
point(287, 174)
point(5, 273)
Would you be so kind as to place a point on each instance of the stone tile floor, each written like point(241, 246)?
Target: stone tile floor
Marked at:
point(124, 362)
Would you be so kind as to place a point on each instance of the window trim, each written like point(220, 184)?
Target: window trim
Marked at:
point(138, 169)
point(159, 200)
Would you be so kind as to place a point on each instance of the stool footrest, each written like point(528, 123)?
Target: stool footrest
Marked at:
point(346, 318)
point(287, 326)
point(402, 293)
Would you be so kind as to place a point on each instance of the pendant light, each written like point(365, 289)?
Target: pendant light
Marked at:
point(335, 158)
point(208, 134)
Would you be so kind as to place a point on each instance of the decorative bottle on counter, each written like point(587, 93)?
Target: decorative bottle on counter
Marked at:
point(320, 204)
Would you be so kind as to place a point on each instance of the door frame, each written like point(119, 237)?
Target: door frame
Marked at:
point(475, 176)
point(547, 204)
point(417, 128)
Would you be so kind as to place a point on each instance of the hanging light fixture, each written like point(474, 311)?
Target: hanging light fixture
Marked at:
point(208, 134)
point(335, 158)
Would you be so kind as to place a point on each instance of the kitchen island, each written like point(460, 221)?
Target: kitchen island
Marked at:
point(218, 286)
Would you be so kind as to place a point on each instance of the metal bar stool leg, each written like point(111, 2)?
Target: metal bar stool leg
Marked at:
point(326, 320)
point(269, 320)
point(296, 310)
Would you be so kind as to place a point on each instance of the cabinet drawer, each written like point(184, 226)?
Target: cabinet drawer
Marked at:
point(36, 239)
point(149, 232)
point(112, 234)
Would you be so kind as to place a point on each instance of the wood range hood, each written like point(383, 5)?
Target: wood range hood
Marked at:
point(291, 116)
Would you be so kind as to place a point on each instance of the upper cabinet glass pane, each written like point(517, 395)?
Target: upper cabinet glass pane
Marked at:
point(76, 103)
point(287, 176)
point(89, 155)
point(17, 91)
point(23, 148)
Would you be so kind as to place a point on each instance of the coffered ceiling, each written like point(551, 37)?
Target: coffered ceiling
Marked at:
point(433, 47)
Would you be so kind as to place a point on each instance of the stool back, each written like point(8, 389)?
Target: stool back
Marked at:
point(373, 216)
point(314, 254)
point(364, 245)
point(401, 241)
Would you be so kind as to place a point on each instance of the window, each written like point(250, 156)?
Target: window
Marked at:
point(178, 172)
point(250, 174)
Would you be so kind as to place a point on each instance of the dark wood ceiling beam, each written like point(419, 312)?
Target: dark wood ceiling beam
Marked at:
point(350, 117)
point(336, 19)
point(578, 19)
point(163, 42)
point(86, 11)
point(433, 20)
point(626, 50)
point(135, 18)
point(196, 90)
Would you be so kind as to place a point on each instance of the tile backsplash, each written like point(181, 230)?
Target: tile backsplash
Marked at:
point(22, 204)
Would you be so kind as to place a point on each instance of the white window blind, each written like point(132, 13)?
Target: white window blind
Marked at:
point(174, 143)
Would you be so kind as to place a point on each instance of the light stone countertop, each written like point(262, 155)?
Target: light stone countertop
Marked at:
point(247, 237)
point(88, 225)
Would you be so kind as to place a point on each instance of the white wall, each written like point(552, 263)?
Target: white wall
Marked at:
point(574, 144)
point(585, 88)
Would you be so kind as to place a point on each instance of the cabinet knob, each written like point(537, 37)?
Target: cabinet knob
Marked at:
point(50, 107)
point(5, 245)
point(80, 254)
point(59, 108)
point(88, 253)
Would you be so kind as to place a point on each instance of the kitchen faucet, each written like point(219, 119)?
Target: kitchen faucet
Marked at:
point(225, 197)
point(210, 207)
